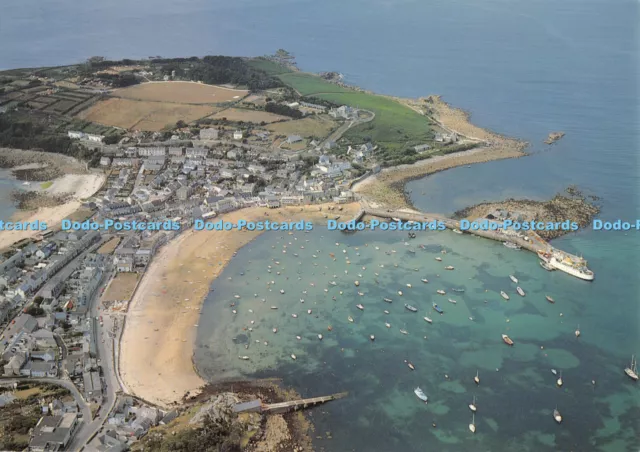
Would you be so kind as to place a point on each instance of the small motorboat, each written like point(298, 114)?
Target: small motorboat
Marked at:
point(411, 366)
point(424, 280)
point(410, 308)
point(507, 340)
point(400, 292)
point(282, 291)
point(577, 333)
point(387, 324)
point(549, 299)
point(458, 290)
point(559, 381)
point(472, 426)
point(320, 336)
point(441, 292)
point(246, 358)
point(457, 231)
point(546, 266)
point(449, 267)
point(372, 337)
point(359, 306)
point(439, 259)
point(557, 416)
point(421, 395)
point(513, 278)
point(504, 295)
point(404, 332)
point(293, 357)
point(309, 311)
point(295, 316)
point(476, 379)
point(438, 309)
point(451, 300)
point(386, 312)
point(511, 245)
point(554, 372)
point(388, 300)
point(428, 320)
point(472, 405)
point(350, 319)
point(274, 307)
point(275, 330)
point(520, 291)
point(409, 286)
point(299, 337)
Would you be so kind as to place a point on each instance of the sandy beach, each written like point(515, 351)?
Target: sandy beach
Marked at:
point(386, 187)
point(158, 339)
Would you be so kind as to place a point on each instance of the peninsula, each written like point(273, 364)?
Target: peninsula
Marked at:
point(180, 140)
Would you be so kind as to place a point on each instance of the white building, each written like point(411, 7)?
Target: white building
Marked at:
point(95, 138)
point(209, 134)
point(237, 135)
point(74, 135)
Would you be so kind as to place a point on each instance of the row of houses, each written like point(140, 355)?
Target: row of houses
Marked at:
point(76, 135)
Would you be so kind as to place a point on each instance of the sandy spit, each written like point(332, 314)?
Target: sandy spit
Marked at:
point(158, 340)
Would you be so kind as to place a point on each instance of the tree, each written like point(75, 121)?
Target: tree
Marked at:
point(181, 124)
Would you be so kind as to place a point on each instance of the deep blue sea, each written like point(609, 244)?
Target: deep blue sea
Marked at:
point(522, 69)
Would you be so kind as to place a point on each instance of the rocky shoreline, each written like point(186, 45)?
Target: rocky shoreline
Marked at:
point(571, 205)
point(31, 200)
point(35, 166)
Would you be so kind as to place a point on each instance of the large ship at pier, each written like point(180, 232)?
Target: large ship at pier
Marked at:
point(574, 267)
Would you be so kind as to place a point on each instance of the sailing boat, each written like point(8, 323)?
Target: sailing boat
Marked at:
point(559, 381)
point(578, 331)
point(472, 406)
point(472, 426)
point(632, 370)
point(476, 378)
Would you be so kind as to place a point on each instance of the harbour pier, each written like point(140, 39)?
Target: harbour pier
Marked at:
point(285, 407)
point(533, 242)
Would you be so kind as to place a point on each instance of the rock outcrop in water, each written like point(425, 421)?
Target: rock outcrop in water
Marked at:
point(573, 207)
point(553, 137)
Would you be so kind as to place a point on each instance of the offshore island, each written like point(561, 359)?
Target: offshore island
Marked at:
point(184, 139)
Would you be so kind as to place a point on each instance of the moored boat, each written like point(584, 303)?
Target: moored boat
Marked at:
point(507, 340)
point(421, 395)
point(424, 280)
point(428, 320)
point(404, 332)
point(410, 365)
point(457, 231)
point(372, 337)
point(458, 290)
point(320, 336)
point(549, 299)
point(557, 416)
point(350, 319)
point(439, 259)
point(359, 306)
point(472, 405)
point(388, 300)
point(441, 292)
point(449, 267)
point(632, 370)
point(574, 268)
point(559, 381)
point(451, 300)
point(293, 357)
point(410, 308)
point(387, 324)
point(504, 295)
point(438, 309)
point(511, 245)
point(520, 291)
point(546, 266)
point(513, 278)
point(472, 426)
point(476, 379)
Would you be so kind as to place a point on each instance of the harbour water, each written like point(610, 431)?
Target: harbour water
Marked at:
point(523, 70)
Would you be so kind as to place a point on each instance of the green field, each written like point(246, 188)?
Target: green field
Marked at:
point(395, 127)
point(268, 66)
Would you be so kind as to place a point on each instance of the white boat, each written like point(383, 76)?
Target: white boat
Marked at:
point(295, 316)
point(440, 291)
point(320, 336)
point(421, 395)
point(451, 300)
point(404, 331)
point(504, 295)
point(424, 280)
point(439, 259)
point(632, 370)
point(387, 324)
point(520, 291)
point(359, 306)
point(400, 292)
point(388, 300)
point(449, 267)
point(282, 291)
point(275, 330)
point(274, 307)
point(554, 372)
point(244, 357)
point(472, 426)
point(428, 320)
point(410, 308)
point(457, 231)
point(472, 405)
point(511, 245)
point(350, 319)
point(559, 380)
point(546, 266)
point(396, 219)
point(409, 286)
point(411, 366)
point(577, 333)
point(293, 357)
point(476, 379)
point(513, 278)
point(557, 416)
point(574, 268)
point(372, 337)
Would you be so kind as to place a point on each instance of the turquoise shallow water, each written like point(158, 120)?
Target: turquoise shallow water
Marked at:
point(382, 413)
point(523, 69)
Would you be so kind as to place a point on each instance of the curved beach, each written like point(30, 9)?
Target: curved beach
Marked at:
point(158, 340)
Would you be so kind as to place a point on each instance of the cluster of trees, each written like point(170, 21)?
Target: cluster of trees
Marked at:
point(225, 69)
point(119, 80)
point(282, 109)
point(22, 132)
